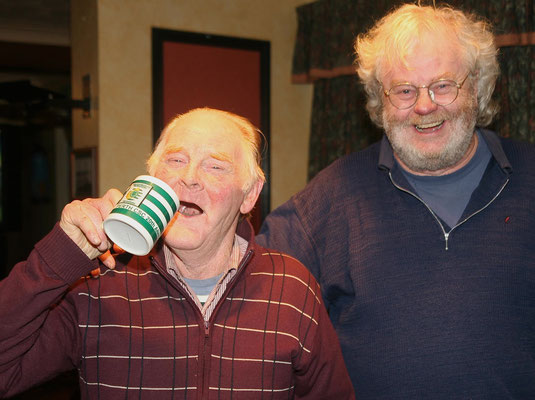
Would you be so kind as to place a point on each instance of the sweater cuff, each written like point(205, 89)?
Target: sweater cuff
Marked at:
point(63, 256)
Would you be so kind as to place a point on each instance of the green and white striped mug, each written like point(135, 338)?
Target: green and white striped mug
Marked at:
point(140, 217)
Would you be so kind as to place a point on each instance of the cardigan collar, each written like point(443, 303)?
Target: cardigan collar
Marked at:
point(244, 230)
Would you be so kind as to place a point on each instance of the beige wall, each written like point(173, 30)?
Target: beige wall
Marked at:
point(120, 70)
point(84, 61)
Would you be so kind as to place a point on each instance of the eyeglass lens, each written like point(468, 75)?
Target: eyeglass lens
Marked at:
point(442, 92)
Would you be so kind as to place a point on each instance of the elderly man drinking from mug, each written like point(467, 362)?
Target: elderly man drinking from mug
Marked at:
point(207, 313)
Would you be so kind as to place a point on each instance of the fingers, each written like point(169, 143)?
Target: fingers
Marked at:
point(109, 200)
point(82, 222)
point(79, 220)
point(114, 195)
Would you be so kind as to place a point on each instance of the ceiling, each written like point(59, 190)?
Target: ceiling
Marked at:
point(35, 21)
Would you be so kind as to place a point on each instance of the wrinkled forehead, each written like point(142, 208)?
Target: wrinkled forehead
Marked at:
point(206, 132)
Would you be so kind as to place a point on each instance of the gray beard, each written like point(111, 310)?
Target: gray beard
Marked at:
point(463, 125)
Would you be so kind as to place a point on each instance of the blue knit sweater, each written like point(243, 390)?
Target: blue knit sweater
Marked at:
point(422, 312)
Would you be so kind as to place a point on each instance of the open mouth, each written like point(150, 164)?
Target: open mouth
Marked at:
point(189, 209)
point(430, 127)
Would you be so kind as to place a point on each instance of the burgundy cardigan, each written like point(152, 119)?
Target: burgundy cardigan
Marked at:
point(134, 332)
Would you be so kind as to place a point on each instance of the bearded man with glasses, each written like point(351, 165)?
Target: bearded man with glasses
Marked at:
point(423, 243)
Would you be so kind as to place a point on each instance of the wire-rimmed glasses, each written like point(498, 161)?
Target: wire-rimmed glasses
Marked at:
point(441, 92)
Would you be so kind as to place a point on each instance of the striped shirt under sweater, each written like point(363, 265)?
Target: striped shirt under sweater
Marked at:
point(134, 332)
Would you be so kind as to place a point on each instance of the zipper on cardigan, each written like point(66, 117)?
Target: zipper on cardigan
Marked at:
point(241, 268)
point(205, 357)
point(446, 234)
point(206, 342)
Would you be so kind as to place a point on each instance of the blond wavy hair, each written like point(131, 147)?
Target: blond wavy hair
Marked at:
point(251, 135)
point(392, 39)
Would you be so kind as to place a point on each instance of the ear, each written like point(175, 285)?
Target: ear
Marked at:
point(250, 197)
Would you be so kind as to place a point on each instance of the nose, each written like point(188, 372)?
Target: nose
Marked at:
point(424, 103)
point(189, 177)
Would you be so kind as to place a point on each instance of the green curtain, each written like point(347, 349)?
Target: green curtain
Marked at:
point(514, 26)
point(340, 123)
point(323, 56)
